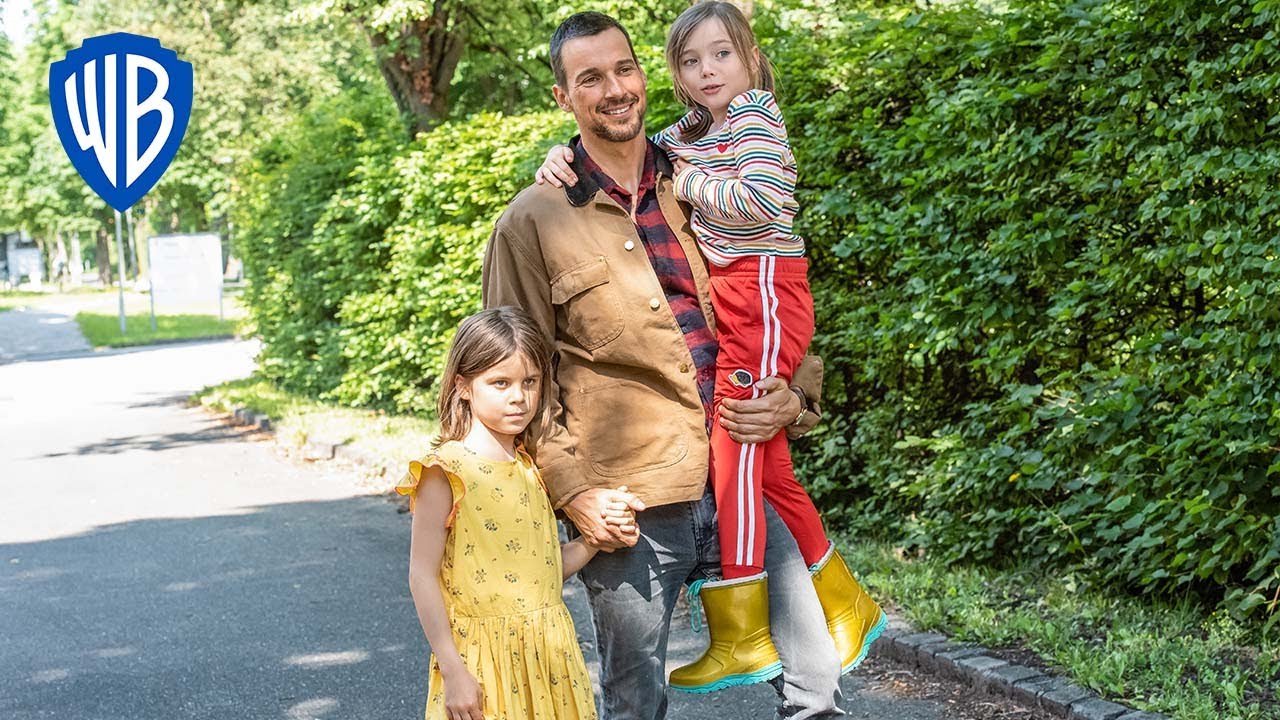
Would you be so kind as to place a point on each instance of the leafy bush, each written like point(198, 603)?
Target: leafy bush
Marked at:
point(311, 233)
point(1045, 251)
point(452, 185)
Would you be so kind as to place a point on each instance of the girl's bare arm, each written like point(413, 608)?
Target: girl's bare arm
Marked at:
point(434, 501)
point(574, 555)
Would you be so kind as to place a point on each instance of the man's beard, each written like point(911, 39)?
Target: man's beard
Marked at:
point(613, 133)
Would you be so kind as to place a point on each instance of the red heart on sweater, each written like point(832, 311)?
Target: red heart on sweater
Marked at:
point(723, 147)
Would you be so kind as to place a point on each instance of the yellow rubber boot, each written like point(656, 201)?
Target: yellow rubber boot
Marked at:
point(854, 619)
point(741, 650)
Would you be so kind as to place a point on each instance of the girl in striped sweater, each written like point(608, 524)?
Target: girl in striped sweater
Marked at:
point(733, 164)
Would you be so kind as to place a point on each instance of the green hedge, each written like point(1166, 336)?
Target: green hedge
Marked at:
point(1047, 268)
point(452, 184)
point(363, 259)
point(1044, 257)
point(311, 232)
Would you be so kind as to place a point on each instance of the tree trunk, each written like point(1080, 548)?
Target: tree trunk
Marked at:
point(102, 258)
point(418, 61)
point(61, 262)
point(76, 263)
point(46, 245)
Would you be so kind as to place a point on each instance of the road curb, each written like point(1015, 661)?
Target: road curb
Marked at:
point(977, 667)
point(314, 448)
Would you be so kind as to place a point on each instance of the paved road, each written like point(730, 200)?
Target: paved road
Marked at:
point(156, 564)
point(28, 332)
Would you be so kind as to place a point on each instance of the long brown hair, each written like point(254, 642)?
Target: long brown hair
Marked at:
point(744, 44)
point(482, 341)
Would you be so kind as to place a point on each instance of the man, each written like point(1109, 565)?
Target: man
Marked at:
point(610, 271)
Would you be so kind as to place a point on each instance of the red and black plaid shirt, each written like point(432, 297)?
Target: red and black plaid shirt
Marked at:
point(667, 256)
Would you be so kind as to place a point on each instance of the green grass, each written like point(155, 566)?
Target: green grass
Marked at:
point(395, 440)
point(1170, 657)
point(103, 330)
point(9, 302)
point(17, 298)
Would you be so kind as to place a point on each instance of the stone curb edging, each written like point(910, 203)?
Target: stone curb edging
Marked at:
point(975, 666)
point(245, 416)
point(313, 449)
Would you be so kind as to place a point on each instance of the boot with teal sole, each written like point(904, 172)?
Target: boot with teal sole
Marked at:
point(741, 650)
point(854, 619)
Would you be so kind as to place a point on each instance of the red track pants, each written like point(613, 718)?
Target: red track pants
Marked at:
point(764, 322)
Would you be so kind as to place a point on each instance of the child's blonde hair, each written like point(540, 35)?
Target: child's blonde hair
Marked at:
point(744, 44)
point(482, 341)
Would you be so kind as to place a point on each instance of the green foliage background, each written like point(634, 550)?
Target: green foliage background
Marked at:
point(1046, 242)
point(1044, 256)
point(1044, 245)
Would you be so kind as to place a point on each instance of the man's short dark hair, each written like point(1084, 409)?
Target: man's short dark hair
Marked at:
point(583, 24)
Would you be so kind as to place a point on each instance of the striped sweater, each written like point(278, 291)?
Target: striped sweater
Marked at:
point(741, 183)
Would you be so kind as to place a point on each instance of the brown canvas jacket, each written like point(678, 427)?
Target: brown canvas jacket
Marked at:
point(624, 406)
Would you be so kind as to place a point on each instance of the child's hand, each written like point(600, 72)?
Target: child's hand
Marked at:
point(555, 169)
point(620, 511)
point(679, 166)
point(590, 511)
point(463, 699)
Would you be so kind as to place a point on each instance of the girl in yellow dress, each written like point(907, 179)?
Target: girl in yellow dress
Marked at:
point(485, 565)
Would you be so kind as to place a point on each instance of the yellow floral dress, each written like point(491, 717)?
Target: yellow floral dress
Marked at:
point(502, 583)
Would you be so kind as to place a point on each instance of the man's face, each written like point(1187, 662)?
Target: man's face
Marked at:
point(605, 87)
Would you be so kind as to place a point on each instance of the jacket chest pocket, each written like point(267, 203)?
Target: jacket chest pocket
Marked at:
point(589, 302)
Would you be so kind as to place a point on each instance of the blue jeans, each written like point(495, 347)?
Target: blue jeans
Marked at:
point(633, 591)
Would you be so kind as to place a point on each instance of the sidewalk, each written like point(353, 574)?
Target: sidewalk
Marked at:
point(29, 333)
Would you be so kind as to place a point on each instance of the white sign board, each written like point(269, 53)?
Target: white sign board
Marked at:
point(25, 262)
point(186, 271)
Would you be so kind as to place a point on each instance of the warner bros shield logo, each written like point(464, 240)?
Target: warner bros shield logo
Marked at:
point(121, 104)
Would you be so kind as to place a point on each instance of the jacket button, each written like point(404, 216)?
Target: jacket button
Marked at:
point(654, 303)
point(629, 245)
point(684, 367)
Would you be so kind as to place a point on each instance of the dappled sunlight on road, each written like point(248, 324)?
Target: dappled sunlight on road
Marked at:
point(180, 586)
point(310, 709)
point(348, 657)
point(49, 676)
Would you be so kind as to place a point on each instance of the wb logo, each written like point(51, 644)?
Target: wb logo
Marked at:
point(121, 103)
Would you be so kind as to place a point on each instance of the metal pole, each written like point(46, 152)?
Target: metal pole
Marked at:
point(151, 281)
point(151, 291)
point(120, 266)
point(221, 277)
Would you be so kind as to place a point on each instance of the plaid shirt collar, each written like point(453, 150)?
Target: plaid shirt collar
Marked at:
point(591, 179)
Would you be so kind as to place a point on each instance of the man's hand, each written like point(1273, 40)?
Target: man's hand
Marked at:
point(606, 518)
point(758, 420)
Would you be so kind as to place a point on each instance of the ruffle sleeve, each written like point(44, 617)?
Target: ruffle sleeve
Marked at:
point(408, 485)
